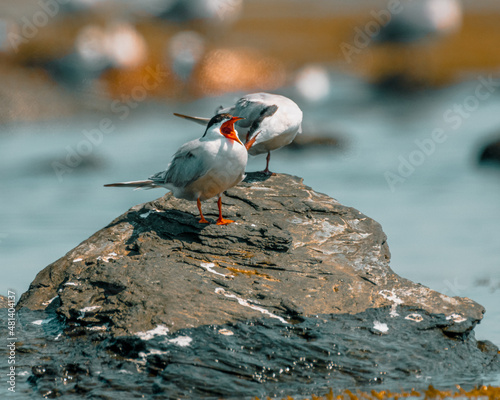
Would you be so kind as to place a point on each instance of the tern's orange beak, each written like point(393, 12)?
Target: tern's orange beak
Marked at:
point(227, 129)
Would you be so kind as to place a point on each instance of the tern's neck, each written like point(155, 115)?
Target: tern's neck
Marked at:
point(211, 134)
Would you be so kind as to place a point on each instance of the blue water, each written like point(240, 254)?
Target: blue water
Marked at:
point(442, 221)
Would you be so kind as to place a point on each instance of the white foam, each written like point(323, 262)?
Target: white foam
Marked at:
point(260, 188)
point(43, 321)
point(91, 308)
point(182, 341)
point(46, 303)
point(381, 327)
point(414, 317)
point(209, 267)
point(160, 330)
point(246, 303)
point(86, 310)
point(144, 355)
point(456, 318)
point(96, 328)
point(391, 296)
point(124, 371)
point(110, 256)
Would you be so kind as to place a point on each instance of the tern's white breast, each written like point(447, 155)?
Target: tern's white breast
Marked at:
point(226, 161)
point(279, 129)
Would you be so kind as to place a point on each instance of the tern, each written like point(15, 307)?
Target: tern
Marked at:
point(276, 118)
point(204, 167)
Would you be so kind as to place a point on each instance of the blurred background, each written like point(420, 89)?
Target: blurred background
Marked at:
point(401, 106)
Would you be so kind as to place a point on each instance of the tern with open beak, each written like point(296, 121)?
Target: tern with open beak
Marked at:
point(276, 118)
point(203, 168)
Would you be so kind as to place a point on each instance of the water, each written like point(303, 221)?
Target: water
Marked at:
point(442, 221)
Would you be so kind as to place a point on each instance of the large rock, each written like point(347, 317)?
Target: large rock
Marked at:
point(293, 253)
point(296, 297)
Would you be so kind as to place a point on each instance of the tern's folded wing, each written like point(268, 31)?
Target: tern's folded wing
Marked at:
point(187, 165)
point(248, 108)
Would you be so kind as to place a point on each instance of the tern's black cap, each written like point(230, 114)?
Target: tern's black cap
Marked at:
point(218, 118)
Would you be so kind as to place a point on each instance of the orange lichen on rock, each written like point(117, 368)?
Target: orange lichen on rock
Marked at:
point(483, 393)
point(251, 272)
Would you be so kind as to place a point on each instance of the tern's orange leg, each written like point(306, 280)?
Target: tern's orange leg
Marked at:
point(202, 219)
point(222, 221)
point(266, 171)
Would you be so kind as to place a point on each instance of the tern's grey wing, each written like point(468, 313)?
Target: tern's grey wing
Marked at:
point(247, 108)
point(265, 113)
point(188, 164)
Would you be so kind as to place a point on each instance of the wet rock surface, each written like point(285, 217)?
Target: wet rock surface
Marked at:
point(262, 357)
point(296, 296)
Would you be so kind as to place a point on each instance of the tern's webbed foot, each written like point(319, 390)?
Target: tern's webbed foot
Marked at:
point(203, 221)
point(222, 221)
point(267, 173)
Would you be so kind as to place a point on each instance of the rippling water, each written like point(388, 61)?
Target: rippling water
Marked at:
point(442, 221)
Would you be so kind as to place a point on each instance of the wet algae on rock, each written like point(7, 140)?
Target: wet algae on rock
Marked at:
point(295, 296)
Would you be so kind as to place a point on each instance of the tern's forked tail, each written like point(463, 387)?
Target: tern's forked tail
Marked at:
point(147, 184)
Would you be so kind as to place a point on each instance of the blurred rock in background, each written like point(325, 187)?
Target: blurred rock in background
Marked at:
point(490, 152)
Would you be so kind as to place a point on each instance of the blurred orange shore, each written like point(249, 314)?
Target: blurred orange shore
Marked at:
point(264, 49)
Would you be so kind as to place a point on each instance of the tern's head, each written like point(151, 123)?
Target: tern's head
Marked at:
point(224, 124)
